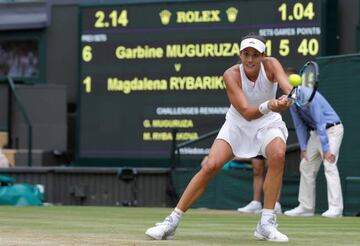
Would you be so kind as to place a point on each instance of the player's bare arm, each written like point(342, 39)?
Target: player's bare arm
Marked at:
point(277, 73)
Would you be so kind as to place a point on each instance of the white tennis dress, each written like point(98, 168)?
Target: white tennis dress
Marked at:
point(246, 138)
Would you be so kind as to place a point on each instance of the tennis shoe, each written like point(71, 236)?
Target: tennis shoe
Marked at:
point(162, 231)
point(299, 211)
point(332, 213)
point(269, 232)
point(254, 207)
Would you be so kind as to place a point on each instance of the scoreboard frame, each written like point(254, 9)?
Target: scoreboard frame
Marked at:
point(327, 46)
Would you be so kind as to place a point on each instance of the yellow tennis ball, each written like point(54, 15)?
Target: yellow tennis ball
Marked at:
point(294, 79)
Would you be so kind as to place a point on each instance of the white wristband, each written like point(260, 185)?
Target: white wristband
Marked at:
point(263, 108)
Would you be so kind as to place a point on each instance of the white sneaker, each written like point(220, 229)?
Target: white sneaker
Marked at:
point(277, 208)
point(269, 232)
point(253, 207)
point(332, 213)
point(299, 211)
point(162, 231)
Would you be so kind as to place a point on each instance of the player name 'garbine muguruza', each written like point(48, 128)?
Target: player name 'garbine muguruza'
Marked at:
point(178, 51)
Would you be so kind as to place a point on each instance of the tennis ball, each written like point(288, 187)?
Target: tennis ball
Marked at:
point(294, 79)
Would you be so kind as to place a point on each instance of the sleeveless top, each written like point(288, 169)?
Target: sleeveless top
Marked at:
point(246, 137)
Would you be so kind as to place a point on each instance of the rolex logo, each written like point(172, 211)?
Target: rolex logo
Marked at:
point(231, 14)
point(165, 16)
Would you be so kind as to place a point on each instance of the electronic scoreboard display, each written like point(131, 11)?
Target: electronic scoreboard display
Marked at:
point(149, 68)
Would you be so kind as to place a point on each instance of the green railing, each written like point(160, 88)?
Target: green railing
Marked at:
point(12, 91)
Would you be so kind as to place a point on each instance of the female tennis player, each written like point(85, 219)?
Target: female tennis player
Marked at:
point(253, 127)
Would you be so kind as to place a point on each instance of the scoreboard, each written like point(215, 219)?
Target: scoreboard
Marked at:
point(149, 68)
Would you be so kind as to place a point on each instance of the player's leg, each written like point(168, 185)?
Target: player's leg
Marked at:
point(220, 153)
point(334, 193)
point(276, 160)
point(258, 173)
point(274, 147)
point(255, 206)
point(277, 208)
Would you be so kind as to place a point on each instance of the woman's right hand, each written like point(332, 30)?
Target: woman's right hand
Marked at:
point(278, 105)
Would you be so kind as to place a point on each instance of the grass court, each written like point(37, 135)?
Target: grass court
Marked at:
point(70, 225)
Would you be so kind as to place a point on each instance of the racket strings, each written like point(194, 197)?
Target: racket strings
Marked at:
point(302, 95)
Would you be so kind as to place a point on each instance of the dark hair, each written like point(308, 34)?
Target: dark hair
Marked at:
point(256, 36)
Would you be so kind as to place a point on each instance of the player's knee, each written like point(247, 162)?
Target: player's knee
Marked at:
point(277, 160)
point(276, 150)
point(277, 156)
point(210, 167)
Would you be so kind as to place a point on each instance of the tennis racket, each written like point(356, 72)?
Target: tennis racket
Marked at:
point(304, 94)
